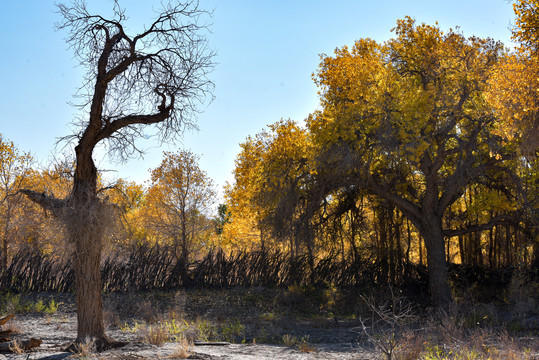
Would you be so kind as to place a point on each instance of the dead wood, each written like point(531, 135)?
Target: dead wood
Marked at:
point(24, 345)
point(3, 321)
point(211, 343)
point(4, 334)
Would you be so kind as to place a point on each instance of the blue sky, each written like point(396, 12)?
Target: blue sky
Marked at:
point(266, 53)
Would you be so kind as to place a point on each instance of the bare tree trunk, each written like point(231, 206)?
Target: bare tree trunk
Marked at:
point(86, 224)
point(431, 230)
point(3, 257)
point(87, 259)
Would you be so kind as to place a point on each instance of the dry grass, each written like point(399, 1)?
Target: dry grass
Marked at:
point(16, 348)
point(85, 349)
point(469, 330)
point(183, 350)
point(14, 326)
point(289, 340)
point(156, 335)
point(306, 347)
point(445, 341)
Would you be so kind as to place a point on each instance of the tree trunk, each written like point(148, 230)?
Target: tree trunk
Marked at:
point(87, 259)
point(3, 257)
point(431, 230)
point(86, 224)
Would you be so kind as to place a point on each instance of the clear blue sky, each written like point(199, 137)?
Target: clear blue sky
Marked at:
point(267, 51)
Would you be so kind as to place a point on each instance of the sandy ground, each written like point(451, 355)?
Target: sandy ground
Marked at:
point(57, 331)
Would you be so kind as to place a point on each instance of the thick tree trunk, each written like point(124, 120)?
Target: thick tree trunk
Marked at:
point(86, 225)
point(87, 259)
point(440, 291)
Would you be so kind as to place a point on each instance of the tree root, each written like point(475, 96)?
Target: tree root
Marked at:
point(96, 345)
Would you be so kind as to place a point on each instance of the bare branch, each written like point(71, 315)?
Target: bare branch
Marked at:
point(56, 206)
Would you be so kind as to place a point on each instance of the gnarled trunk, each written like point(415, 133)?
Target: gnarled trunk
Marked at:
point(86, 225)
point(87, 232)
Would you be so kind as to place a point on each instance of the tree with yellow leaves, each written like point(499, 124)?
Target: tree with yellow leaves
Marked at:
point(407, 120)
point(270, 175)
point(178, 203)
point(14, 168)
point(243, 230)
point(514, 86)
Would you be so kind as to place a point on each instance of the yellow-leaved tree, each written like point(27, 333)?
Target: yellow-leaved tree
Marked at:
point(14, 168)
point(270, 176)
point(407, 121)
point(178, 203)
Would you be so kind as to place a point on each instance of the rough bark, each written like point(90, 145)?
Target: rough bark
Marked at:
point(87, 237)
point(440, 291)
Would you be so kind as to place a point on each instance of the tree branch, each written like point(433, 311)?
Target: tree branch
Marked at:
point(56, 206)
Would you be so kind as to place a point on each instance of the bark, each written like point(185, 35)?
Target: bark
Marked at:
point(87, 259)
point(431, 230)
point(86, 227)
point(3, 257)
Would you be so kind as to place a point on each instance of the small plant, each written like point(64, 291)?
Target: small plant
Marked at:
point(135, 328)
point(52, 308)
point(205, 330)
point(39, 306)
point(289, 340)
point(156, 335)
point(387, 322)
point(232, 330)
point(84, 349)
point(182, 350)
point(10, 303)
point(305, 346)
point(176, 329)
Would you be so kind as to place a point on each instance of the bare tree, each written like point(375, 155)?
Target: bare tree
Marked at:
point(159, 78)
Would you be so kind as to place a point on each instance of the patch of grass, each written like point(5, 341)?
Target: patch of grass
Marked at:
point(16, 304)
point(305, 346)
point(182, 351)
point(84, 350)
point(156, 335)
point(289, 340)
point(232, 331)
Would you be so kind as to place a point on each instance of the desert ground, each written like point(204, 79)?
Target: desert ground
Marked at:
point(261, 324)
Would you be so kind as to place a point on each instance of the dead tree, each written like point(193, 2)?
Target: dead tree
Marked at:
point(153, 81)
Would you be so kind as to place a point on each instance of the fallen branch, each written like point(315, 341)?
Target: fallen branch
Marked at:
point(211, 343)
point(3, 321)
point(24, 345)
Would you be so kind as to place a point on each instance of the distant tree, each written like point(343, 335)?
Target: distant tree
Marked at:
point(514, 94)
point(514, 89)
point(155, 78)
point(268, 178)
point(526, 29)
point(179, 201)
point(14, 168)
point(223, 217)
